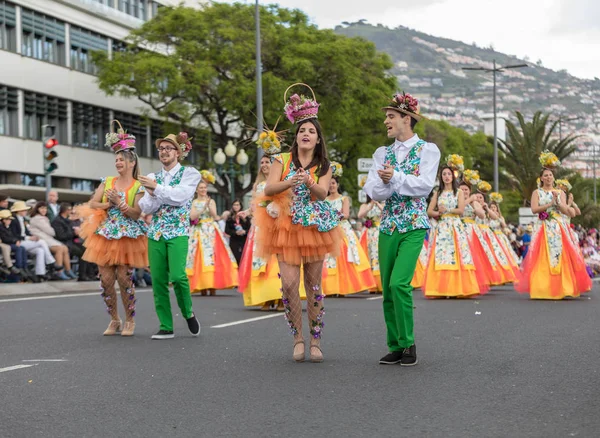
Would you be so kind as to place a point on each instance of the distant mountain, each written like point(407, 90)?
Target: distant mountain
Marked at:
point(431, 68)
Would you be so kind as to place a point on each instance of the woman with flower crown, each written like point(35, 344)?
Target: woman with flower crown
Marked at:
point(369, 240)
point(498, 224)
point(553, 268)
point(450, 269)
point(295, 223)
point(210, 263)
point(574, 211)
point(349, 272)
point(115, 236)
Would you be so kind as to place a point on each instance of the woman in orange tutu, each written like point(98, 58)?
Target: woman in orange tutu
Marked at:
point(553, 268)
point(115, 236)
point(349, 272)
point(210, 262)
point(297, 224)
point(450, 269)
point(369, 240)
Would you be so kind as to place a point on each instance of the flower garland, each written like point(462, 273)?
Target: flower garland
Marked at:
point(484, 186)
point(471, 177)
point(336, 168)
point(565, 184)
point(316, 329)
point(208, 176)
point(548, 160)
point(496, 197)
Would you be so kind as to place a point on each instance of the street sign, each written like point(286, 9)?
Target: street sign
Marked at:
point(362, 197)
point(362, 179)
point(365, 164)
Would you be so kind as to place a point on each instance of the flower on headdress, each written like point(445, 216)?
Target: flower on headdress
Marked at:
point(362, 181)
point(270, 142)
point(564, 184)
point(548, 160)
point(496, 197)
point(207, 176)
point(538, 182)
point(336, 169)
point(484, 186)
point(300, 107)
point(456, 162)
point(185, 143)
point(406, 102)
point(471, 177)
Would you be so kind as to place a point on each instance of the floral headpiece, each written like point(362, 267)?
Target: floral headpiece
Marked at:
point(336, 169)
point(406, 104)
point(207, 176)
point(548, 160)
point(300, 107)
point(120, 140)
point(484, 187)
point(565, 184)
point(270, 140)
point(496, 197)
point(471, 177)
point(455, 162)
point(181, 141)
point(362, 181)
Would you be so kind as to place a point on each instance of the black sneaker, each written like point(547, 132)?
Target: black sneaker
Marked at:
point(409, 356)
point(163, 334)
point(391, 358)
point(193, 325)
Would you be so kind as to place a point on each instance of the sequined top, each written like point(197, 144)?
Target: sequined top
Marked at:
point(117, 225)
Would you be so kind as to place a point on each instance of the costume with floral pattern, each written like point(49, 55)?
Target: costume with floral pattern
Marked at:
point(369, 240)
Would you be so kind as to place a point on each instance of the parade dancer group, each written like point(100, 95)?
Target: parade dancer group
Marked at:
point(300, 245)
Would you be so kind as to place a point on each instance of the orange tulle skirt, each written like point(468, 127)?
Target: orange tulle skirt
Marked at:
point(486, 272)
point(109, 252)
point(538, 278)
point(507, 274)
point(292, 243)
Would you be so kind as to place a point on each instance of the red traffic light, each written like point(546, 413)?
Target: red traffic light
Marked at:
point(50, 143)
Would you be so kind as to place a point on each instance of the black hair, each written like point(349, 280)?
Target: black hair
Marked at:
point(64, 206)
point(320, 159)
point(36, 208)
point(237, 200)
point(454, 182)
point(337, 180)
point(3, 198)
point(413, 121)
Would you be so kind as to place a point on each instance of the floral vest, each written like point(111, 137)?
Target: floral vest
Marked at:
point(405, 213)
point(170, 221)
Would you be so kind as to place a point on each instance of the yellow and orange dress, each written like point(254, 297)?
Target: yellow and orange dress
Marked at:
point(505, 270)
point(112, 238)
point(513, 259)
point(553, 268)
point(349, 272)
point(210, 262)
point(450, 269)
point(369, 240)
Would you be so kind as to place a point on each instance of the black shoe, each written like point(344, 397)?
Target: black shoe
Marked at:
point(193, 325)
point(163, 334)
point(36, 278)
point(14, 270)
point(409, 356)
point(4, 270)
point(391, 358)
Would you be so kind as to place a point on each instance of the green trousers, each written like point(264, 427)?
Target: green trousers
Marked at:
point(398, 255)
point(167, 264)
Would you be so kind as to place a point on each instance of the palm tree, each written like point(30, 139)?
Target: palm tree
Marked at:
point(523, 147)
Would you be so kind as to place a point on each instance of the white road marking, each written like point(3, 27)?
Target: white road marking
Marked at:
point(375, 298)
point(15, 367)
point(244, 321)
point(65, 295)
point(45, 360)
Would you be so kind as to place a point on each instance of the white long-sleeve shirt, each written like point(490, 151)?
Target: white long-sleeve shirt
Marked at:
point(175, 196)
point(402, 184)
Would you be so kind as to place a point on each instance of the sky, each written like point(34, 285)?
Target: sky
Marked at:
point(564, 34)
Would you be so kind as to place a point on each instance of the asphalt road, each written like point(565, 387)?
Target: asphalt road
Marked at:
point(497, 366)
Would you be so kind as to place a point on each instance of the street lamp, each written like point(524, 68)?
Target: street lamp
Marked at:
point(259, 97)
point(494, 71)
point(221, 157)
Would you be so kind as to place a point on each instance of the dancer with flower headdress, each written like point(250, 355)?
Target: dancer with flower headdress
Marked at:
point(450, 269)
point(349, 272)
point(296, 224)
point(115, 236)
point(574, 211)
point(498, 224)
point(403, 176)
point(369, 240)
point(168, 198)
point(553, 268)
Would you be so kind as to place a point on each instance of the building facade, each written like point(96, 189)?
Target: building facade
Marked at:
point(47, 77)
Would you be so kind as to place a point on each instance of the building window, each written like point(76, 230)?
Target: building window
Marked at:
point(43, 37)
point(82, 43)
point(9, 111)
point(135, 125)
point(83, 185)
point(118, 46)
point(156, 132)
point(90, 123)
point(154, 9)
point(40, 110)
point(8, 32)
point(29, 179)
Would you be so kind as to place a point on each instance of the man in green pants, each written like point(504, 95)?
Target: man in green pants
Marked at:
point(403, 175)
point(168, 198)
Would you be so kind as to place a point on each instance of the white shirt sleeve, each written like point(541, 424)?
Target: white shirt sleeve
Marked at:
point(374, 187)
point(181, 193)
point(418, 186)
point(149, 204)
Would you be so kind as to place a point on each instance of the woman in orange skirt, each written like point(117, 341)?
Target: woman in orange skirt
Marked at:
point(450, 269)
point(295, 223)
point(115, 237)
point(498, 224)
point(210, 262)
point(553, 268)
point(369, 240)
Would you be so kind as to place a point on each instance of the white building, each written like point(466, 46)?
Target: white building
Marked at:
point(47, 78)
point(488, 124)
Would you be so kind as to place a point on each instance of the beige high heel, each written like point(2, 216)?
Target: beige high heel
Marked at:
point(316, 355)
point(300, 356)
point(114, 326)
point(128, 328)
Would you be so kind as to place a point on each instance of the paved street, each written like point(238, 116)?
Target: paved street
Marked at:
point(501, 365)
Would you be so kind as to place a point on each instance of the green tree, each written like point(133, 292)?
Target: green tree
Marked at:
point(523, 147)
point(196, 67)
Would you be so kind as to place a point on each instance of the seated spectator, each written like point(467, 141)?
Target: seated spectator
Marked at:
point(8, 238)
point(39, 225)
point(3, 202)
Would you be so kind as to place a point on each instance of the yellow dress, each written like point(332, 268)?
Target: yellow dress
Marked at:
point(350, 272)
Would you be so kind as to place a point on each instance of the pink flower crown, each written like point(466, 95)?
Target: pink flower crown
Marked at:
point(406, 104)
point(120, 140)
point(300, 107)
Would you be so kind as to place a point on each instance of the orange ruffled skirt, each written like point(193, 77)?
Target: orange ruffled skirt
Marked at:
point(507, 273)
point(109, 252)
point(542, 282)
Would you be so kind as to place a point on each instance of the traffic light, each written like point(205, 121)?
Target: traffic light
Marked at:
point(50, 154)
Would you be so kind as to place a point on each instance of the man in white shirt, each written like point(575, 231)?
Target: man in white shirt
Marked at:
point(168, 198)
point(403, 175)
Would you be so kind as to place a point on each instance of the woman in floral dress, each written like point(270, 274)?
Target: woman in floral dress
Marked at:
point(210, 262)
point(115, 236)
point(553, 268)
point(450, 269)
point(498, 224)
point(574, 211)
point(369, 240)
point(349, 272)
